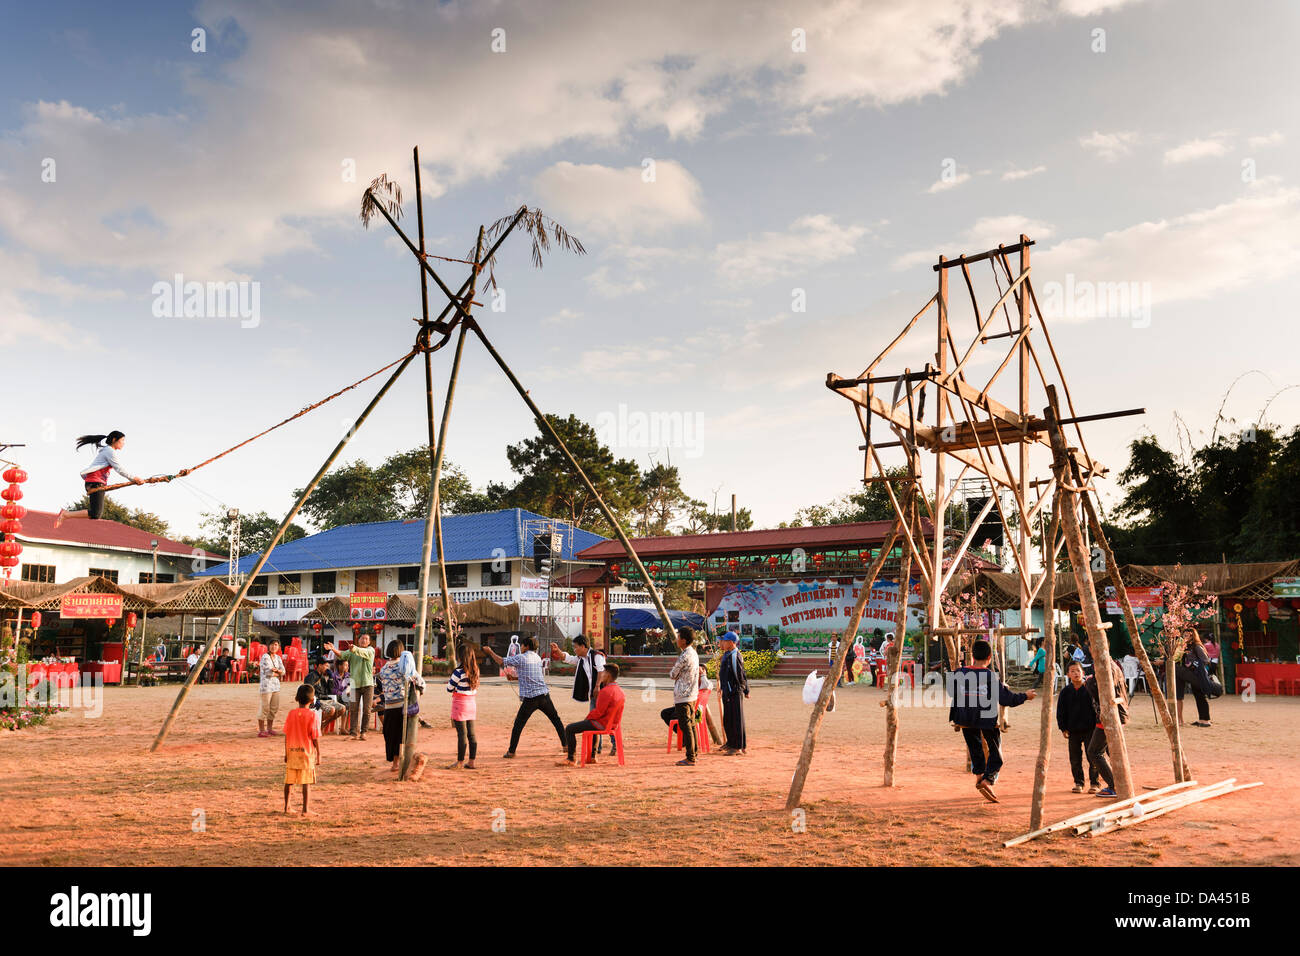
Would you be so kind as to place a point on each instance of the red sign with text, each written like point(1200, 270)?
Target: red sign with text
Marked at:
point(368, 605)
point(90, 605)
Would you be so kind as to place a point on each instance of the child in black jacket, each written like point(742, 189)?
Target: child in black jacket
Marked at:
point(975, 712)
point(1076, 719)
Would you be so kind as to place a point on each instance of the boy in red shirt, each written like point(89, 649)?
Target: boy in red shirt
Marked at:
point(605, 715)
point(301, 746)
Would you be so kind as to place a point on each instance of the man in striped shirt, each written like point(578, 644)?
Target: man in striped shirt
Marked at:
point(534, 695)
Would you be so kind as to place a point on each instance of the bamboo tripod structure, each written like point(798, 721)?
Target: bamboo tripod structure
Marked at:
point(454, 317)
point(993, 440)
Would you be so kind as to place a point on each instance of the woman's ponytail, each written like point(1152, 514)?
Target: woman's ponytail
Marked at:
point(95, 440)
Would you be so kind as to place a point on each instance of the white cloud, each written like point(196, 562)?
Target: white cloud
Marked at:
point(608, 286)
point(1109, 146)
point(809, 242)
point(1195, 149)
point(254, 165)
point(1201, 254)
point(1011, 175)
point(608, 201)
point(939, 185)
point(1272, 139)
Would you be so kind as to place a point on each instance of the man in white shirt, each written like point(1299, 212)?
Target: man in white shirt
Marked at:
point(587, 664)
point(686, 691)
point(193, 662)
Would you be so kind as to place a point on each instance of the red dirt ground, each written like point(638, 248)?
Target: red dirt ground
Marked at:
point(84, 791)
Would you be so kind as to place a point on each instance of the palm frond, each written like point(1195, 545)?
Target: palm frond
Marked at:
point(542, 228)
point(382, 192)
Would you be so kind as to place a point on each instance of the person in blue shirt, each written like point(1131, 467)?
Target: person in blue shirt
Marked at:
point(734, 689)
point(1039, 662)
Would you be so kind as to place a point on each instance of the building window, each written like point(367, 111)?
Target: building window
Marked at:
point(103, 573)
point(41, 573)
point(408, 579)
point(458, 575)
point(291, 584)
point(323, 582)
point(146, 577)
point(494, 579)
point(258, 587)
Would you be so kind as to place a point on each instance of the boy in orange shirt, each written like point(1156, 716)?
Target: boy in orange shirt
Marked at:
point(301, 746)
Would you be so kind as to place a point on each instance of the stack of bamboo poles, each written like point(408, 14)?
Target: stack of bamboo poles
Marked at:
point(1135, 810)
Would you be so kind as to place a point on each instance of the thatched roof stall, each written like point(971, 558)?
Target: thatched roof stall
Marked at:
point(1248, 582)
point(200, 596)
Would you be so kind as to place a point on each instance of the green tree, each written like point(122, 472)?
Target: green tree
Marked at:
point(398, 489)
point(700, 519)
point(548, 486)
point(255, 532)
point(661, 501)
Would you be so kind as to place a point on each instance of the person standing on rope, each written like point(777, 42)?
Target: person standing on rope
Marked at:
point(96, 476)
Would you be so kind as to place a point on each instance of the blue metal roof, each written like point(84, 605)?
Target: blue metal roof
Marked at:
point(472, 537)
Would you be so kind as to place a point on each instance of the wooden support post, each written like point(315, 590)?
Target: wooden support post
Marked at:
point(893, 660)
point(1047, 715)
point(837, 668)
point(1103, 666)
point(193, 677)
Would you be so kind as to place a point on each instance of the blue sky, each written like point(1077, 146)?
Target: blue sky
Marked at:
point(1168, 159)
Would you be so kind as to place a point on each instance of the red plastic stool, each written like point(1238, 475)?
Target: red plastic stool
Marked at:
point(588, 743)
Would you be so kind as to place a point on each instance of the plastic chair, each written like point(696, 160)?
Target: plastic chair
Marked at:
point(701, 736)
point(588, 743)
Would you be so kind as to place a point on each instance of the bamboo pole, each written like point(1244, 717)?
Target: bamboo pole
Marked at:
point(1092, 814)
point(1047, 716)
point(1208, 794)
point(582, 475)
point(1181, 769)
point(275, 540)
point(1141, 806)
point(893, 662)
point(1103, 666)
point(833, 675)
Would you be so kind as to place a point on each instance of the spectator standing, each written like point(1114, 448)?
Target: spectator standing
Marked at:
point(534, 695)
point(1076, 721)
point(686, 692)
point(361, 663)
point(270, 672)
point(463, 687)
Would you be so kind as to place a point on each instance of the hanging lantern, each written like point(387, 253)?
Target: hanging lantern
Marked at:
point(14, 475)
point(356, 626)
point(1262, 608)
point(773, 561)
point(12, 511)
point(130, 618)
point(693, 566)
point(316, 626)
point(654, 570)
point(11, 548)
point(11, 526)
point(818, 559)
point(614, 569)
point(378, 626)
point(36, 620)
point(733, 564)
point(12, 493)
point(8, 562)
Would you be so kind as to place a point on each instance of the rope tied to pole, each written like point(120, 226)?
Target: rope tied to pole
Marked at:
point(163, 479)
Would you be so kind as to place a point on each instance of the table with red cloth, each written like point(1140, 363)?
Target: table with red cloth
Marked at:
point(111, 670)
point(1277, 678)
point(61, 675)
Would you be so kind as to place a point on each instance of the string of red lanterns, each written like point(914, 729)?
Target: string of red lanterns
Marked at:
point(12, 513)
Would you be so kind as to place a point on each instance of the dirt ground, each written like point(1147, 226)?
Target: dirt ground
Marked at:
point(82, 791)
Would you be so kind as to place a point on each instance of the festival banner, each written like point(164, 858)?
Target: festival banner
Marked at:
point(1142, 600)
point(368, 605)
point(534, 589)
point(91, 605)
point(807, 614)
point(595, 604)
point(1286, 587)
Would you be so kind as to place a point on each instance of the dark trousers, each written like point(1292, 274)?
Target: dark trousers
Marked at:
point(733, 720)
point(465, 736)
point(1186, 684)
point(684, 714)
point(1079, 740)
point(393, 726)
point(360, 707)
point(992, 737)
point(571, 734)
point(526, 708)
point(1098, 754)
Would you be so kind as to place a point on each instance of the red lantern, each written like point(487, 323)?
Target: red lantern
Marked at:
point(379, 626)
point(14, 475)
point(109, 622)
point(654, 570)
point(733, 564)
point(818, 559)
point(613, 569)
point(8, 562)
point(12, 493)
point(316, 626)
point(1262, 608)
point(356, 626)
point(11, 548)
point(130, 618)
point(693, 566)
point(36, 620)
point(864, 556)
point(12, 510)
point(772, 561)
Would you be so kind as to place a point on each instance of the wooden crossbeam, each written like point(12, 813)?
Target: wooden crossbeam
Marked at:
point(966, 260)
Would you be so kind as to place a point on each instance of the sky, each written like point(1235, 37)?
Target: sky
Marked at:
point(761, 188)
